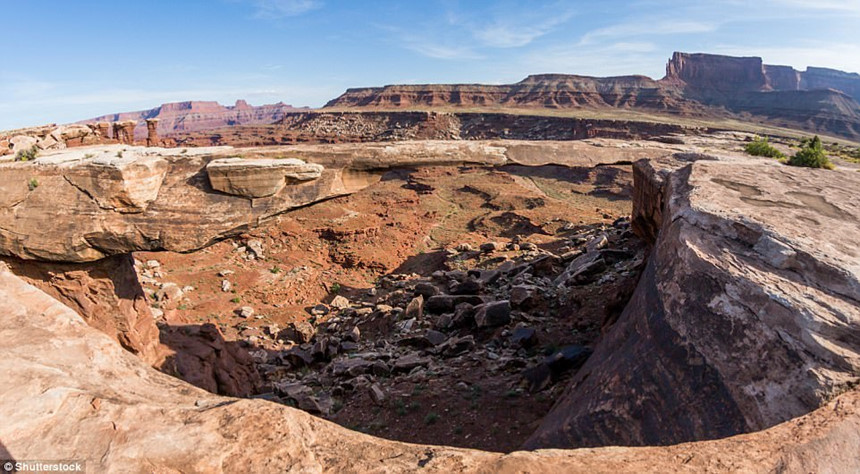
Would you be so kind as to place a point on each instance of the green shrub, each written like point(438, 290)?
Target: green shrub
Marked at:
point(811, 155)
point(27, 155)
point(760, 147)
point(33, 184)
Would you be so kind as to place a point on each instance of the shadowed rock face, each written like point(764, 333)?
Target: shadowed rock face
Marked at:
point(71, 392)
point(746, 316)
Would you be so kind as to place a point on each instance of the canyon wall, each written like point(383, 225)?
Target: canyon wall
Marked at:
point(747, 314)
point(388, 126)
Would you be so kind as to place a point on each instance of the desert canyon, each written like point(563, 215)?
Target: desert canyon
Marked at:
point(565, 274)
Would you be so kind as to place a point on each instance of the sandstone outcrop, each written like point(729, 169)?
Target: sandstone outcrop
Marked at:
point(695, 85)
point(746, 316)
point(105, 293)
point(194, 116)
point(85, 204)
point(87, 400)
point(256, 178)
point(389, 126)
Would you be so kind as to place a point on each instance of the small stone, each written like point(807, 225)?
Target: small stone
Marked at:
point(320, 310)
point(156, 313)
point(467, 287)
point(464, 247)
point(224, 273)
point(464, 315)
point(493, 314)
point(255, 246)
point(169, 292)
point(245, 311)
point(301, 332)
point(538, 377)
point(528, 246)
point(226, 286)
point(456, 346)
point(339, 302)
point(522, 296)
point(380, 368)
point(354, 335)
point(406, 325)
point(409, 362)
point(490, 247)
point(426, 290)
point(415, 308)
point(377, 395)
point(445, 321)
point(153, 263)
point(597, 243)
point(524, 337)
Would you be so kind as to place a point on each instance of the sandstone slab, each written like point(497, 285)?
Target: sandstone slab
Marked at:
point(262, 177)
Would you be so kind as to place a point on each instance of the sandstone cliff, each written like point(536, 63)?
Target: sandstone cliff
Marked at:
point(696, 85)
point(194, 116)
point(746, 316)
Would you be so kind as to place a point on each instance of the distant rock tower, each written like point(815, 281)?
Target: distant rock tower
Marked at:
point(123, 131)
point(152, 132)
point(101, 129)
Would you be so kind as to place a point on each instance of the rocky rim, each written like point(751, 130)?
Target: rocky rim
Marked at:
point(726, 303)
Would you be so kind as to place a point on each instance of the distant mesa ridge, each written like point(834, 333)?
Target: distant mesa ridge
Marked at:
point(194, 116)
point(696, 85)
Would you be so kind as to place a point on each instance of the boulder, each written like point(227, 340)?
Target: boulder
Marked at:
point(497, 313)
point(256, 178)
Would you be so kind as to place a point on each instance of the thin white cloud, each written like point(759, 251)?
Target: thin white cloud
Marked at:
point(441, 51)
point(276, 9)
point(648, 27)
point(620, 58)
point(512, 33)
point(843, 6)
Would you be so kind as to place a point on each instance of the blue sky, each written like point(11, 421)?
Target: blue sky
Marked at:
point(71, 60)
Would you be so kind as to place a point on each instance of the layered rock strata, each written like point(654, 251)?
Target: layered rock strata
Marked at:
point(89, 203)
point(71, 392)
point(747, 314)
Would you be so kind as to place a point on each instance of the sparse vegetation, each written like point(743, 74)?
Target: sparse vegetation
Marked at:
point(88, 156)
point(275, 270)
point(431, 418)
point(811, 155)
point(33, 184)
point(119, 154)
point(335, 288)
point(27, 155)
point(761, 147)
point(236, 300)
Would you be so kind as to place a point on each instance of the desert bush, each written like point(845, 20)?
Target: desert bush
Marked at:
point(27, 155)
point(760, 147)
point(811, 155)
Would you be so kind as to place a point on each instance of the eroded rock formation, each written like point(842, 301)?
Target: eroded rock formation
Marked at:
point(195, 116)
point(695, 85)
point(86, 204)
point(746, 316)
point(87, 399)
